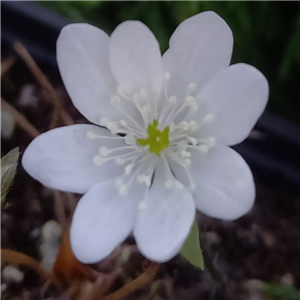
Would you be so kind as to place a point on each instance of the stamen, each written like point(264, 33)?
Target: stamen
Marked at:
point(187, 162)
point(193, 126)
point(103, 151)
point(113, 127)
point(98, 160)
point(203, 149)
point(129, 140)
point(172, 100)
point(120, 160)
point(190, 100)
point(128, 169)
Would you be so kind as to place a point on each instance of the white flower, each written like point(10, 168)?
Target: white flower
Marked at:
point(163, 151)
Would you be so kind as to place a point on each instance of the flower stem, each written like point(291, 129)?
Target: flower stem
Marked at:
point(135, 284)
point(11, 256)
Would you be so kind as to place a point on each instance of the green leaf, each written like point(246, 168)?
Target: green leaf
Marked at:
point(281, 292)
point(191, 249)
point(9, 164)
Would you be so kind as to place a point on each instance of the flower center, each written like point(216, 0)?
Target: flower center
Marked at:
point(157, 140)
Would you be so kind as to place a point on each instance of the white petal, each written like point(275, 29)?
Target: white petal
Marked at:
point(135, 57)
point(163, 225)
point(103, 219)
point(82, 56)
point(224, 183)
point(199, 48)
point(62, 158)
point(236, 98)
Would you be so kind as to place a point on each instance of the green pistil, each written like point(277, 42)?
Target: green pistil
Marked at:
point(157, 140)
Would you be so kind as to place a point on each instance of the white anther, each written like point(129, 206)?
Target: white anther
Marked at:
point(193, 125)
point(192, 140)
point(182, 145)
point(98, 160)
point(144, 179)
point(192, 87)
point(178, 185)
point(157, 138)
point(113, 127)
point(172, 127)
point(118, 182)
point(185, 153)
point(208, 118)
point(104, 121)
point(142, 205)
point(123, 123)
point(187, 162)
point(128, 169)
point(183, 125)
point(129, 140)
point(190, 100)
point(104, 151)
point(119, 161)
point(91, 135)
point(144, 93)
point(203, 149)
point(168, 183)
point(211, 142)
point(123, 189)
point(172, 100)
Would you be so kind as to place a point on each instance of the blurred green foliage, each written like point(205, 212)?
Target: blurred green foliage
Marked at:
point(267, 34)
point(9, 164)
point(281, 292)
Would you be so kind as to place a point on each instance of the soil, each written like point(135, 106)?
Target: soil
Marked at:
point(263, 245)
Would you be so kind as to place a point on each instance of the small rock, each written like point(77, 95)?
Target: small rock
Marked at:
point(27, 96)
point(3, 287)
point(254, 287)
point(268, 239)
point(287, 279)
point(36, 232)
point(11, 274)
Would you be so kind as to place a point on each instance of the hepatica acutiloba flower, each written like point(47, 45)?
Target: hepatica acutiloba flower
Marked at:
point(159, 148)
